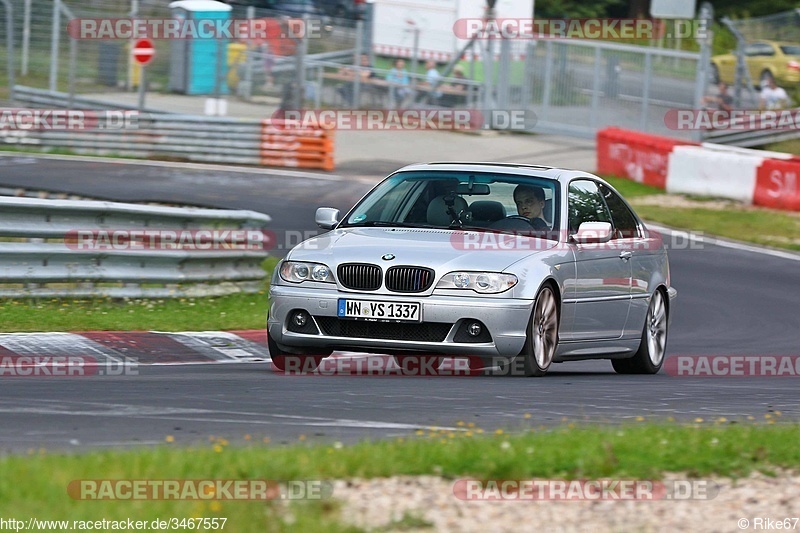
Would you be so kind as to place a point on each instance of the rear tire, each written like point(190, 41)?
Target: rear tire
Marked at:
point(542, 338)
point(301, 363)
point(649, 358)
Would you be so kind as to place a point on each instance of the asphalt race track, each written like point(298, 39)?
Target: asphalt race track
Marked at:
point(731, 301)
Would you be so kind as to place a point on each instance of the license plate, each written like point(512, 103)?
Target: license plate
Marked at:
point(378, 310)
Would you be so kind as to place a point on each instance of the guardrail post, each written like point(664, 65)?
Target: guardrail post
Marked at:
point(55, 35)
point(648, 73)
point(598, 56)
point(10, 47)
point(357, 64)
point(548, 78)
point(26, 37)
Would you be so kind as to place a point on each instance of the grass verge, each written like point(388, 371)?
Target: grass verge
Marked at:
point(220, 313)
point(36, 485)
point(768, 227)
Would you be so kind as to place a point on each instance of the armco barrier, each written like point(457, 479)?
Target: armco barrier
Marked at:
point(284, 143)
point(777, 184)
point(52, 264)
point(769, 179)
point(204, 139)
point(634, 155)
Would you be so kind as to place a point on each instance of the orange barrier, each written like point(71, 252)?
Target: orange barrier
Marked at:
point(286, 144)
point(778, 184)
point(636, 156)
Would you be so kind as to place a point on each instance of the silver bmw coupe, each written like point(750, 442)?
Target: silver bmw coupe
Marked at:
point(502, 264)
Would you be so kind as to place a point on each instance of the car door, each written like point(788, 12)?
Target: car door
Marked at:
point(602, 287)
point(645, 256)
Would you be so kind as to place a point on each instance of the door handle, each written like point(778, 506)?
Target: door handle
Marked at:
point(625, 255)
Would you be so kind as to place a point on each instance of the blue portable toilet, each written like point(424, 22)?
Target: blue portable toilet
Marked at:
point(193, 61)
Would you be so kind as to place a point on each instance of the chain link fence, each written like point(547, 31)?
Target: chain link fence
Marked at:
point(47, 56)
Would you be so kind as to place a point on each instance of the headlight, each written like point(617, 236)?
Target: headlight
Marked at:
point(296, 272)
point(483, 282)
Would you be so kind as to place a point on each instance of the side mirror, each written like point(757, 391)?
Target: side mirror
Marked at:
point(327, 217)
point(592, 233)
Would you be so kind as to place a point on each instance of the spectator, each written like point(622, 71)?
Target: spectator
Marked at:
point(432, 77)
point(400, 81)
point(722, 100)
point(450, 99)
point(366, 74)
point(773, 97)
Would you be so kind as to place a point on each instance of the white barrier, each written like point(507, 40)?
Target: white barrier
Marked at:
point(703, 172)
point(759, 177)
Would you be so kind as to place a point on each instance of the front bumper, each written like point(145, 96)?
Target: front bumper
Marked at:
point(506, 320)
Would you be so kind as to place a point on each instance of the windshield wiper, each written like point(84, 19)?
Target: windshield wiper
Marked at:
point(384, 224)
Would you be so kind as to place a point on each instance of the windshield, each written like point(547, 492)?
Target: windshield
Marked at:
point(462, 200)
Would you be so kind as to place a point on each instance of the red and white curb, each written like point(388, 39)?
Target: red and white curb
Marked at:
point(154, 348)
point(141, 347)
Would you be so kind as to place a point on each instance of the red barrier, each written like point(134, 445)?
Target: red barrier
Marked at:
point(635, 156)
point(287, 144)
point(778, 184)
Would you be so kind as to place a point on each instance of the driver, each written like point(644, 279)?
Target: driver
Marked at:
point(530, 204)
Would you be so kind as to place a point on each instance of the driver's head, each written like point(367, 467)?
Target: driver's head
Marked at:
point(529, 200)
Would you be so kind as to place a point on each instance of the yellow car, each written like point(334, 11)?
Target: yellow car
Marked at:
point(765, 59)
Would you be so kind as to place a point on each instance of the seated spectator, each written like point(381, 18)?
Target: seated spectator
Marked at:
point(722, 100)
point(400, 81)
point(432, 78)
point(347, 90)
point(773, 97)
point(453, 100)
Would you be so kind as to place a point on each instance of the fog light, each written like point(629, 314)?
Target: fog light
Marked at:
point(474, 329)
point(300, 319)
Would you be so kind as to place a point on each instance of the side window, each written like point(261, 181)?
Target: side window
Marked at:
point(766, 50)
point(623, 219)
point(751, 50)
point(585, 204)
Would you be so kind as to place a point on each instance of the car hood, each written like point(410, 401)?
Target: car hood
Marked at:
point(440, 249)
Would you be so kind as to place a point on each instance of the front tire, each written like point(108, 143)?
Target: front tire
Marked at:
point(542, 338)
point(650, 357)
point(296, 363)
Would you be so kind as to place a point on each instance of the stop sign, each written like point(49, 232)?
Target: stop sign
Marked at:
point(144, 51)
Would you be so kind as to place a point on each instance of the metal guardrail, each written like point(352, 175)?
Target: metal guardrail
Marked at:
point(45, 99)
point(38, 258)
point(187, 137)
point(748, 138)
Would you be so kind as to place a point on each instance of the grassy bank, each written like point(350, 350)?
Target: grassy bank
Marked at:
point(219, 313)
point(36, 485)
point(728, 219)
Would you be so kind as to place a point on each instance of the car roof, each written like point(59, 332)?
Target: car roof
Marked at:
point(519, 169)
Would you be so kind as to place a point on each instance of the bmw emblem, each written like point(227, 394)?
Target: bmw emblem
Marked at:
point(388, 257)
